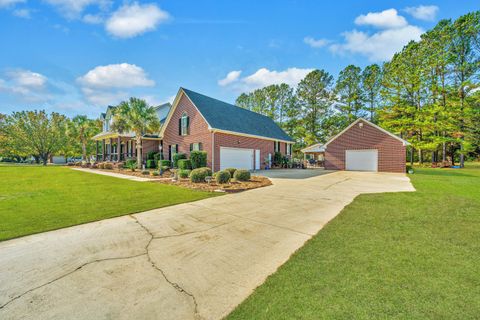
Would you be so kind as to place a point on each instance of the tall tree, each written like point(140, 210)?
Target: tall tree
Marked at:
point(35, 133)
point(350, 93)
point(371, 85)
point(81, 129)
point(136, 116)
point(315, 96)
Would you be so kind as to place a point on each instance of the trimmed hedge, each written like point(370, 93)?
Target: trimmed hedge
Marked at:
point(199, 174)
point(198, 159)
point(131, 164)
point(184, 164)
point(242, 175)
point(222, 176)
point(151, 164)
point(231, 171)
point(108, 165)
point(151, 155)
point(164, 168)
point(178, 156)
point(164, 163)
point(184, 173)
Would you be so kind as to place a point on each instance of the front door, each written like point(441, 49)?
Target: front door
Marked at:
point(257, 159)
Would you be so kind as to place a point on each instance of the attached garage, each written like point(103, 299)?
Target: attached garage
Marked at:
point(364, 146)
point(238, 158)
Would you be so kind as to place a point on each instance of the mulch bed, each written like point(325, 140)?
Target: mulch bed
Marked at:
point(213, 186)
point(233, 186)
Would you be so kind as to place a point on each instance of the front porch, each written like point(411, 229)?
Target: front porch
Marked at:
point(314, 156)
point(114, 147)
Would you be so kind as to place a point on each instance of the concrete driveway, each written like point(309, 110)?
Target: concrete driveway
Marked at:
point(191, 261)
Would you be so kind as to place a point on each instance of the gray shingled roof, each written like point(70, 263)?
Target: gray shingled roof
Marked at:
point(225, 116)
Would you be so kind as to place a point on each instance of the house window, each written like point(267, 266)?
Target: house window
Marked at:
point(196, 146)
point(184, 125)
point(289, 149)
point(276, 146)
point(173, 148)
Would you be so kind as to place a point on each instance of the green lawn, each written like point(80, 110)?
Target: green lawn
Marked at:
point(386, 256)
point(36, 199)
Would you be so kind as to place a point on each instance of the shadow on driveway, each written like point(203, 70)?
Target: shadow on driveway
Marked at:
point(292, 173)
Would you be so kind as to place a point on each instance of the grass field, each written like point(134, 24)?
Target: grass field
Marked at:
point(36, 199)
point(386, 256)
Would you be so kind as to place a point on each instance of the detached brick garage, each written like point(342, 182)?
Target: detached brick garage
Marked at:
point(364, 146)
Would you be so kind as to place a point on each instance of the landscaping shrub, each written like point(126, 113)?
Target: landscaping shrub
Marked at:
point(164, 163)
point(277, 159)
point(222, 176)
point(242, 175)
point(231, 171)
point(145, 172)
point(120, 165)
point(94, 166)
point(131, 164)
point(101, 165)
point(198, 159)
point(151, 155)
point(151, 164)
point(108, 165)
point(199, 174)
point(155, 173)
point(184, 164)
point(164, 168)
point(184, 173)
point(178, 156)
point(157, 156)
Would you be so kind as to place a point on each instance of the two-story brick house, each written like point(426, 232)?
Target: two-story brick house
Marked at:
point(231, 136)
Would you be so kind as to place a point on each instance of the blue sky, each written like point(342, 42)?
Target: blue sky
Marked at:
point(77, 56)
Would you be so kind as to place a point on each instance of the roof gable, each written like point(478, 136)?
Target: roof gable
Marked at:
point(405, 143)
point(227, 117)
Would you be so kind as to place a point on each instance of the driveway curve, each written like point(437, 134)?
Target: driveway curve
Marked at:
point(191, 261)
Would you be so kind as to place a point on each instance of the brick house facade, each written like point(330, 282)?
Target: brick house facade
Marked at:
point(363, 135)
point(203, 130)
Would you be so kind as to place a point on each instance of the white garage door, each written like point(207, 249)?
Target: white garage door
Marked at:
point(361, 160)
point(236, 158)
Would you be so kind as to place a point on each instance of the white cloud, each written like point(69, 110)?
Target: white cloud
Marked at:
point(427, 13)
point(22, 13)
point(232, 76)
point(123, 75)
point(25, 84)
point(108, 84)
point(386, 19)
point(8, 3)
point(380, 46)
point(264, 77)
point(315, 43)
point(132, 20)
point(72, 9)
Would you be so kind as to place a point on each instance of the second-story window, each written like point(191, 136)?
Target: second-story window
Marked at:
point(184, 125)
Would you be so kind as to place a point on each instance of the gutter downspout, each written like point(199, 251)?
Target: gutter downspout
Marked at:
point(213, 151)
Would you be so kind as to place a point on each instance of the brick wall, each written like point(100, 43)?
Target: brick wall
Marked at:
point(198, 130)
point(391, 152)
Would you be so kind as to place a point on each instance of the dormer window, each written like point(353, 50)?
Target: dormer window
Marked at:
point(184, 125)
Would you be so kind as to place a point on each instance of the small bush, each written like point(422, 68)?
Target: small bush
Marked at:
point(154, 173)
point(408, 168)
point(94, 166)
point(198, 159)
point(184, 173)
point(151, 164)
point(145, 172)
point(101, 165)
point(164, 163)
point(277, 159)
point(242, 175)
point(165, 168)
point(222, 176)
point(128, 163)
point(231, 171)
point(120, 165)
point(184, 164)
point(151, 155)
point(199, 174)
point(157, 156)
point(70, 164)
point(108, 165)
point(176, 157)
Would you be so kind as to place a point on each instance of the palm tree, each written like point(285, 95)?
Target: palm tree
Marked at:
point(82, 129)
point(136, 116)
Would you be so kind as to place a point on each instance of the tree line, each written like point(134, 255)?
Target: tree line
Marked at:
point(428, 94)
point(41, 135)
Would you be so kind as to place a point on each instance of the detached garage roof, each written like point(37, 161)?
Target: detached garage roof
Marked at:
point(227, 117)
point(405, 142)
